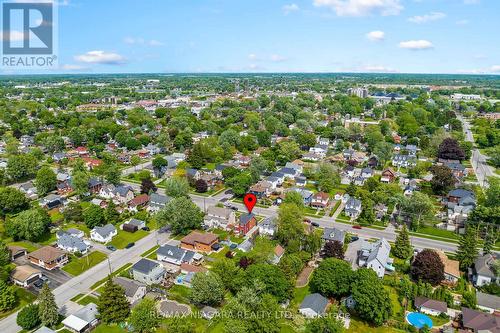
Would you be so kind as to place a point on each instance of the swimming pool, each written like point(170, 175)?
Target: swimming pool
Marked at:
point(419, 320)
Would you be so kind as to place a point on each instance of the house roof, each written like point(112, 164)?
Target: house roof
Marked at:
point(279, 250)
point(245, 218)
point(23, 272)
point(47, 254)
point(219, 211)
point(487, 300)
point(44, 329)
point(482, 265)
point(480, 321)
point(315, 302)
point(430, 304)
point(79, 320)
point(105, 231)
point(159, 199)
point(333, 234)
point(198, 237)
point(145, 266)
point(14, 249)
point(69, 241)
point(321, 196)
point(450, 266)
point(377, 251)
point(136, 222)
point(460, 193)
point(130, 286)
point(139, 200)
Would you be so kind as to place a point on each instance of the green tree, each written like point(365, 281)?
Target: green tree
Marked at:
point(467, 248)
point(427, 267)
point(112, 304)
point(207, 288)
point(145, 317)
point(28, 318)
point(332, 278)
point(4, 254)
point(327, 177)
point(111, 215)
point(293, 197)
point(8, 297)
point(442, 179)
point(80, 180)
point(21, 166)
point(372, 300)
point(30, 224)
point(113, 174)
point(181, 214)
point(290, 227)
point(93, 216)
point(46, 180)
point(12, 201)
point(326, 324)
point(402, 247)
point(176, 187)
point(273, 279)
point(47, 307)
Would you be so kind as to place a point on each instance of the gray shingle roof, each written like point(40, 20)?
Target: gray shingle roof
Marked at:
point(105, 230)
point(69, 241)
point(333, 234)
point(145, 266)
point(315, 302)
point(487, 300)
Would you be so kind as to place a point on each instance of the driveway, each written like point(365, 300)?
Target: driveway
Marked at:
point(351, 254)
point(56, 277)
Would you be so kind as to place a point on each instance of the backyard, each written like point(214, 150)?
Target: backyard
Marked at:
point(79, 265)
point(123, 238)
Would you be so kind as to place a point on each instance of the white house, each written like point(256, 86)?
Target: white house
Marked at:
point(313, 305)
point(482, 271)
point(430, 306)
point(103, 234)
point(134, 290)
point(83, 320)
point(352, 208)
point(375, 256)
point(219, 217)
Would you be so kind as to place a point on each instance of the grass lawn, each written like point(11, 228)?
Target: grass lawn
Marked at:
point(84, 300)
point(431, 231)
point(79, 265)
point(24, 298)
point(48, 239)
point(150, 251)
point(334, 209)
point(298, 296)
point(179, 293)
point(103, 328)
point(30, 247)
point(438, 321)
point(397, 309)
point(358, 326)
point(116, 272)
point(78, 226)
point(123, 238)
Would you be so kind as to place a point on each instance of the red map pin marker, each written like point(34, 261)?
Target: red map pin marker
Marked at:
point(250, 200)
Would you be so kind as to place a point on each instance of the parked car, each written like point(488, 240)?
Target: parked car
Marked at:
point(357, 227)
point(234, 208)
point(111, 247)
point(354, 238)
point(146, 229)
point(315, 224)
point(129, 245)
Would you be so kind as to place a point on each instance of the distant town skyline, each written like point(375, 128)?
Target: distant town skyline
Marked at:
point(382, 36)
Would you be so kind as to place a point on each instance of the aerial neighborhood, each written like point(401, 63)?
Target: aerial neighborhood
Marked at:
point(377, 204)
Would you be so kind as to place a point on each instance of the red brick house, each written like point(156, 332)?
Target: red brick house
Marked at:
point(138, 202)
point(48, 257)
point(245, 224)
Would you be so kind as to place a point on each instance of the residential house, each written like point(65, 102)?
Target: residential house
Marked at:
point(71, 232)
point(319, 150)
point(72, 244)
point(323, 141)
point(482, 271)
point(44, 329)
point(51, 201)
point(451, 268)
point(176, 256)
point(380, 211)
point(262, 188)
point(48, 257)
point(333, 234)
point(306, 195)
point(480, 322)
point(460, 203)
point(487, 302)
point(95, 185)
point(320, 200)
point(403, 161)
point(300, 181)
point(219, 217)
point(268, 227)
point(134, 290)
point(25, 275)
point(458, 169)
point(84, 320)
point(63, 185)
point(157, 202)
point(373, 162)
point(103, 234)
point(138, 202)
point(123, 194)
point(367, 173)
point(148, 271)
point(411, 150)
point(375, 256)
point(245, 224)
point(430, 306)
point(313, 305)
point(388, 176)
point(353, 208)
point(29, 189)
point(197, 241)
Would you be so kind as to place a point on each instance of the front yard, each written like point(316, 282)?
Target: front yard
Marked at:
point(123, 238)
point(79, 265)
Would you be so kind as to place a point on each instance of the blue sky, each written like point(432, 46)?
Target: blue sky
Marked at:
point(413, 36)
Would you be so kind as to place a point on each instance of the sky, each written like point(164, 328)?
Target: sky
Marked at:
point(407, 36)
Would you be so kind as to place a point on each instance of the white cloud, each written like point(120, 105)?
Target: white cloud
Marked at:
point(277, 58)
point(15, 35)
point(101, 57)
point(433, 16)
point(376, 35)
point(421, 44)
point(141, 41)
point(287, 9)
point(495, 68)
point(73, 67)
point(361, 7)
point(253, 56)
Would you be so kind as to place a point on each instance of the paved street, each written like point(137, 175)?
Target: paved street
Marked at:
point(478, 160)
point(81, 284)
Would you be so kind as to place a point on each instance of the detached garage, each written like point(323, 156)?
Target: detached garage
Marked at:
point(25, 275)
